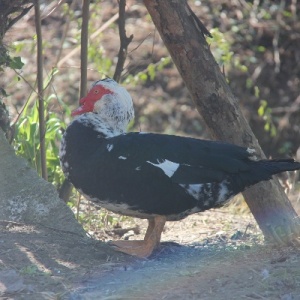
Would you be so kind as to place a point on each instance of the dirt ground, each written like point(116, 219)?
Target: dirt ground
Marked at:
point(217, 254)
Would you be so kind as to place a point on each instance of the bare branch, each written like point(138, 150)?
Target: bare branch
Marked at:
point(53, 9)
point(124, 41)
point(16, 19)
point(41, 107)
point(140, 43)
point(84, 46)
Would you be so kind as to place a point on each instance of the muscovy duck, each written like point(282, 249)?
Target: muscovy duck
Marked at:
point(154, 176)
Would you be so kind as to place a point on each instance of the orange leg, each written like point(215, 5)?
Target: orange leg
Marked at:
point(151, 241)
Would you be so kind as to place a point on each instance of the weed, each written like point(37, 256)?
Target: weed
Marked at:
point(27, 141)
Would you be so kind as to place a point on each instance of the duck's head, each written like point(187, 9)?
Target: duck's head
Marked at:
point(109, 102)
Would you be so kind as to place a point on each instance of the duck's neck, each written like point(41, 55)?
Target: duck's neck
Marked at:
point(104, 127)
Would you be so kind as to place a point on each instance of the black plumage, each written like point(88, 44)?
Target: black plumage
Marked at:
point(125, 170)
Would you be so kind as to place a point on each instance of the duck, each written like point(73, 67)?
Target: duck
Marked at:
point(152, 176)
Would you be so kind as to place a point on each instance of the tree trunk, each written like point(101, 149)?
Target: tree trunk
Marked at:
point(184, 38)
point(27, 198)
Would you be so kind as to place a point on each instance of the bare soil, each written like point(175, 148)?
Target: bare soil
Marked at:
point(217, 254)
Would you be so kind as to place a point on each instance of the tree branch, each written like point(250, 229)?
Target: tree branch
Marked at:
point(124, 41)
point(84, 47)
point(21, 15)
point(40, 85)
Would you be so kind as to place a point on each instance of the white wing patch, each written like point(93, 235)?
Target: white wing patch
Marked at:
point(109, 147)
point(193, 189)
point(252, 152)
point(122, 157)
point(167, 166)
point(199, 190)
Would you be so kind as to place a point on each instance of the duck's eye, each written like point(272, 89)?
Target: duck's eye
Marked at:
point(96, 91)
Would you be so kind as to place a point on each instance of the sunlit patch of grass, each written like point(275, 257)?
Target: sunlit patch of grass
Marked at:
point(33, 270)
point(93, 218)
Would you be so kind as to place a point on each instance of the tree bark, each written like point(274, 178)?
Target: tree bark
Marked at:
point(185, 41)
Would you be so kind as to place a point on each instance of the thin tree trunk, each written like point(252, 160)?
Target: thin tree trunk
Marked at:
point(183, 35)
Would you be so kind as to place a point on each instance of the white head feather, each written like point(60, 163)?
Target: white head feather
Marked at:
point(108, 106)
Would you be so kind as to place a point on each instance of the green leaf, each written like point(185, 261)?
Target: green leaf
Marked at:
point(262, 109)
point(256, 91)
point(151, 71)
point(261, 49)
point(16, 63)
point(267, 127)
point(287, 14)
